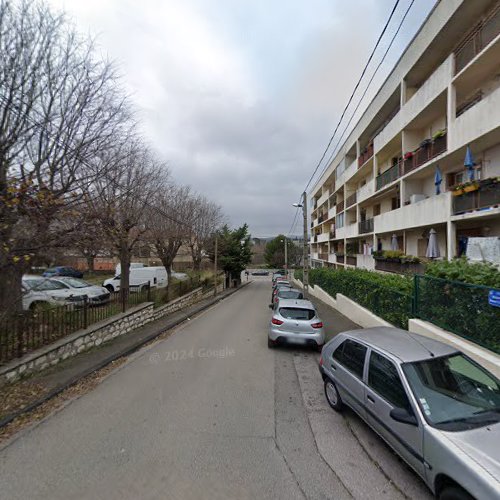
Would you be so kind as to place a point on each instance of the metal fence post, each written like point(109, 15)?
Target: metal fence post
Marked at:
point(416, 295)
point(124, 299)
point(148, 292)
point(85, 312)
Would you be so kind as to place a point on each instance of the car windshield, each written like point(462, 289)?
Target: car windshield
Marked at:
point(75, 283)
point(454, 392)
point(43, 285)
point(290, 294)
point(297, 313)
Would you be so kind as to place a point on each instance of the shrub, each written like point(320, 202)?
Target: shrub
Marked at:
point(475, 273)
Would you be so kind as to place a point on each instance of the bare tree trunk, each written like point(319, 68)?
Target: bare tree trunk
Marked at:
point(90, 262)
point(11, 298)
point(125, 266)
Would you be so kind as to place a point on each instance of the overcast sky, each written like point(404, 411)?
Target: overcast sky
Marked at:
point(240, 97)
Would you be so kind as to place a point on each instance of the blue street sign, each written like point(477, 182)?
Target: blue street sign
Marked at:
point(494, 298)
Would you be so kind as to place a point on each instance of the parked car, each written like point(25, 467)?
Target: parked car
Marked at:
point(287, 293)
point(41, 292)
point(437, 408)
point(277, 286)
point(260, 272)
point(133, 265)
point(139, 277)
point(63, 271)
point(296, 322)
point(179, 276)
point(277, 276)
point(97, 295)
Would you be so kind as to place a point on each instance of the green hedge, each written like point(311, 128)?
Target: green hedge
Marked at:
point(474, 273)
point(386, 295)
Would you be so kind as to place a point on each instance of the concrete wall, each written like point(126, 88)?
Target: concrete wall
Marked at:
point(98, 333)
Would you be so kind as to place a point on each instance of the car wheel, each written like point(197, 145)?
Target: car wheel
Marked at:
point(38, 306)
point(319, 347)
point(332, 395)
point(454, 493)
point(270, 343)
point(109, 288)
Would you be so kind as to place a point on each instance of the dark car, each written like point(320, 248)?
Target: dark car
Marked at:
point(260, 273)
point(63, 271)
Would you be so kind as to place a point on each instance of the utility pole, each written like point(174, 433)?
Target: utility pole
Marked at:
point(306, 244)
point(286, 256)
point(215, 265)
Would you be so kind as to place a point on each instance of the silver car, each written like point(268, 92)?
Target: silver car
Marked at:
point(295, 322)
point(438, 409)
point(96, 295)
point(286, 292)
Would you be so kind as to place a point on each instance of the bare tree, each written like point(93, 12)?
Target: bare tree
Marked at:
point(207, 218)
point(121, 197)
point(171, 220)
point(59, 107)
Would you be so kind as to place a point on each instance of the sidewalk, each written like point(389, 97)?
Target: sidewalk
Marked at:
point(334, 322)
point(26, 395)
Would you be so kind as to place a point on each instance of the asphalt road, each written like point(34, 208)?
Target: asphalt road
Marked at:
point(210, 412)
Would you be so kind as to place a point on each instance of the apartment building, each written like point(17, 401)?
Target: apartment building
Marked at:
point(443, 95)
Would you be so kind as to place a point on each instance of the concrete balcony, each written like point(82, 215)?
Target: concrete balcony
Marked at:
point(332, 258)
point(315, 222)
point(436, 84)
point(433, 210)
point(366, 191)
point(324, 197)
point(391, 130)
point(340, 233)
point(351, 231)
point(332, 212)
point(323, 237)
point(477, 121)
point(365, 261)
point(314, 255)
point(350, 171)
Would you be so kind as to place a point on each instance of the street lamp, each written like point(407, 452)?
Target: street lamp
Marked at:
point(305, 277)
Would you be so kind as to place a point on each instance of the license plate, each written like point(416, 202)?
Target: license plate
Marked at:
point(297, 341)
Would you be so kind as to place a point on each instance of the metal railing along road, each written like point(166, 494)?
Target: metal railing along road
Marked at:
point(26, 331)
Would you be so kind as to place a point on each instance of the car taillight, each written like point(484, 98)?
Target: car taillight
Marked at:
point(275, 321)
point(317, 325)
point(321, 361)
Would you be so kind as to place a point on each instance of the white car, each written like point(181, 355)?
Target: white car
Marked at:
point(179, 276)
point(139, 277)
point(40, 291)
point(96, 295)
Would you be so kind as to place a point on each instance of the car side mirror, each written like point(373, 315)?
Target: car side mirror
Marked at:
point(404, 416)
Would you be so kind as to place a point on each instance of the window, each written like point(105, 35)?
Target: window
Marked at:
point(384, 379)
point(352, 355)
point(297, 313)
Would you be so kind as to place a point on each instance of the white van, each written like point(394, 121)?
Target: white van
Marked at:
point(133, 265)
point(140, 276)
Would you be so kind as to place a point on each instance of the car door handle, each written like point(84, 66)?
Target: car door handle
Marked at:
point(370, 398)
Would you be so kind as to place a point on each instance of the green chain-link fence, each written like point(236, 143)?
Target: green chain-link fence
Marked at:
point(460, 308)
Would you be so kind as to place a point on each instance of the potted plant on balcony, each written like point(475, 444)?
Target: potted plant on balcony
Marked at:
point(438, 134)
point(409, 155)
point(457, 190)
point(393, 255)
point(426, 143)
point(471, 186)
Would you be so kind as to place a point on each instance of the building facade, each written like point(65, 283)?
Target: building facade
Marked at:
point(443, 95)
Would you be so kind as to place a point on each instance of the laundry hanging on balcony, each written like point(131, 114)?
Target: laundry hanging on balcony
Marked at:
point(469, 164)
point(438, 179)
point(394, 242)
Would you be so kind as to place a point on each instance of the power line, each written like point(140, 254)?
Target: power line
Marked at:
point(335, 149)
point(353, 93)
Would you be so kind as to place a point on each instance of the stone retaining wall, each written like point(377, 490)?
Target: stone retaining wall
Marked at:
point(95, 335)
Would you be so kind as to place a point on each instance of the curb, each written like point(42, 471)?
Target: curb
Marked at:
point(124, 352)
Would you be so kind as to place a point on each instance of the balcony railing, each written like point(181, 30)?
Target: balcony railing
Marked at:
point(424, 154)
point(366, 226)
point(399, 267)
point(350, 200)
point(488, 195)
point(350, 260)
point(332, 235)
point(365, 155)
point(323, 256)
point(388, 176)
point(321, 218)
point(340, 259)
point(486, 31)
point(340, 206)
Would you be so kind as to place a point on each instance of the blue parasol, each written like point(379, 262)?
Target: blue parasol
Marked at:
point(469, 164)
point(438, 178)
